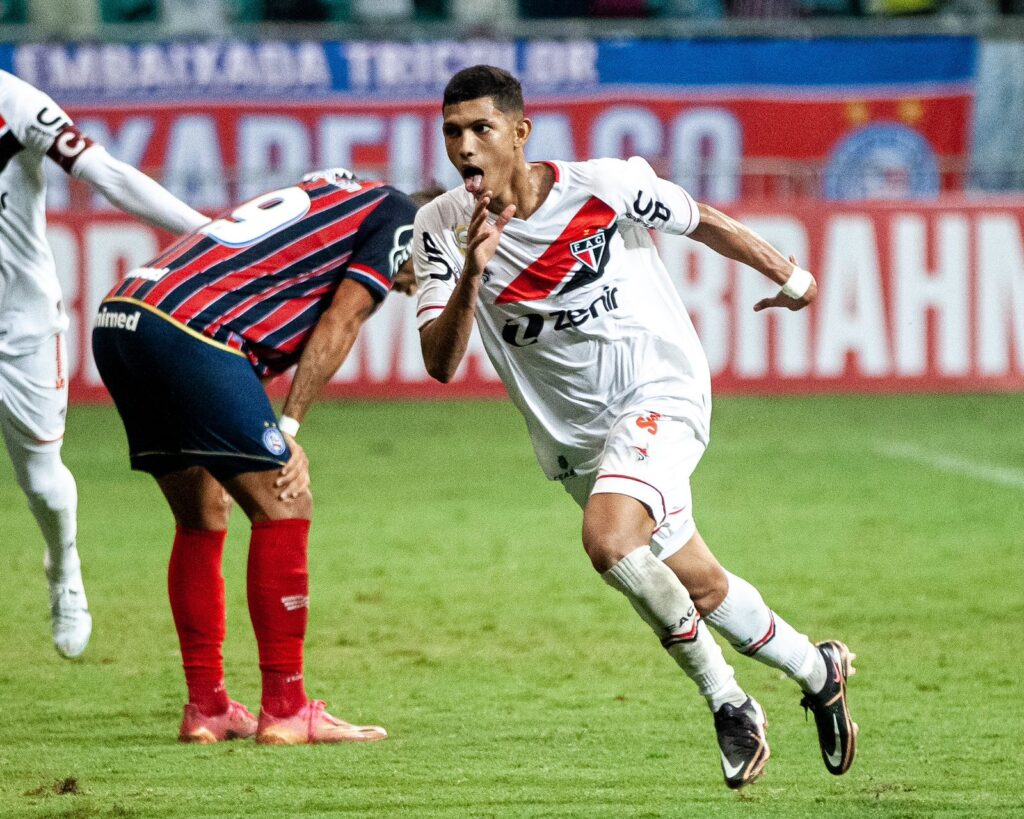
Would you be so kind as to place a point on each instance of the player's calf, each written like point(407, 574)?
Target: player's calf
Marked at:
point(663, 602)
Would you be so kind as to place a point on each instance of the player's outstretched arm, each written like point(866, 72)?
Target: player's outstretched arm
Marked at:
point(445, 339)
point(133, 192)
point(731, 239)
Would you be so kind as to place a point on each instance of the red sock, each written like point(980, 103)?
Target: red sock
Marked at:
point(279, 608)
point(196, 588)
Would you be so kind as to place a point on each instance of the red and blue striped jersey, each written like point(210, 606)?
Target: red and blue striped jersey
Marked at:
point(258, 278)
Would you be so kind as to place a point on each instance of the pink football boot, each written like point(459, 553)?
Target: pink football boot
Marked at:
point(312, 724)
point(235, 723)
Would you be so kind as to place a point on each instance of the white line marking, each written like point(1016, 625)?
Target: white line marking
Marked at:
point(955, 465)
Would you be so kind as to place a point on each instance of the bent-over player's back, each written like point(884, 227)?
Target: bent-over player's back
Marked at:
point(258, 278)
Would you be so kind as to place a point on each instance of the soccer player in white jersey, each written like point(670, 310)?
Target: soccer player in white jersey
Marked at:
point(33, 378)
point(554, 263)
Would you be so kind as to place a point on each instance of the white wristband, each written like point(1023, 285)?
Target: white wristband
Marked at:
point(288, 425)
point(798, 283)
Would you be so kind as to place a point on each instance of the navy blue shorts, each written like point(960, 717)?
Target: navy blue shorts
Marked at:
point(184, 400)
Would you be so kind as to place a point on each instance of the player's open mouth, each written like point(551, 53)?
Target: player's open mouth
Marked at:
point(473, 178)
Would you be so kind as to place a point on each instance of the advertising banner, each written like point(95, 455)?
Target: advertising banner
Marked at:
point(222, 120)
point(912, 297)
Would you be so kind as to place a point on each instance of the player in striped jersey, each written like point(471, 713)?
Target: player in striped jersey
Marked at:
point(33, 379)
point(182, 344)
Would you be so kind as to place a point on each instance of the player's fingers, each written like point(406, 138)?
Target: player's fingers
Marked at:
point(297, 481)
point(297, 461)
point(479, 213)
point(505, 217)
point(764, 304)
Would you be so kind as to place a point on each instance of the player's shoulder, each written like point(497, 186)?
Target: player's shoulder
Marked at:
point(604, 171)
point(393, 207)
point(24, 99)
point(35, 119)
point(445, 211)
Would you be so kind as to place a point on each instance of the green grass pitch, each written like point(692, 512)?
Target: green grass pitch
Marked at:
point(452, 602)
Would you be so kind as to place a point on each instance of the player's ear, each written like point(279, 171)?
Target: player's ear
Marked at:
point(523, 130)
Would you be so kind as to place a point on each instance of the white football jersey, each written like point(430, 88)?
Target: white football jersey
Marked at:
point(577, 312)
point(31, 126)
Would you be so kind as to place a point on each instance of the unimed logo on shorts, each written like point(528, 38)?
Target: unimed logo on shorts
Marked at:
point(119, 321)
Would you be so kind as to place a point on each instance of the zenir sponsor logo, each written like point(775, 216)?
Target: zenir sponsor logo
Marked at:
point(606, 302)
point(525, 330)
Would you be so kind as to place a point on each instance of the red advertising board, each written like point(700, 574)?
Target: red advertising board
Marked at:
point(722, 145)
point(912, 297)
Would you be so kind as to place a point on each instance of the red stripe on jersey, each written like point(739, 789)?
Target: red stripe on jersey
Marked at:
point(219, 253)
point(373, 274)
point(324, 237)
point(298, 338)
point(215, 255)
point(295, 252)
point(539, 279)
point(165, 260)
point(239, 309)
point(287, 311)
point(278, 317)
point(175, 252)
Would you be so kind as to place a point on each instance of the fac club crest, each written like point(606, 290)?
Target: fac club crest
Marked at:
point(589, 251)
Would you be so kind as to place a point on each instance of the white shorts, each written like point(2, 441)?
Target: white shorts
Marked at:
point(650, 457)
point(34, 393)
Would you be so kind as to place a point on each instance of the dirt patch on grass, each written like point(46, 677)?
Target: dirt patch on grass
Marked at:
point(61, 787)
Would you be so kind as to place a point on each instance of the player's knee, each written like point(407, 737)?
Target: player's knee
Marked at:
point(48, 486)
point(708, 588)
point(277, 509)
point(214, 511)
point(606, 547)
point(302, 506)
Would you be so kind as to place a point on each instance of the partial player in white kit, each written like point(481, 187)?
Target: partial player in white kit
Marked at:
point(554, 263)
point(33, 374)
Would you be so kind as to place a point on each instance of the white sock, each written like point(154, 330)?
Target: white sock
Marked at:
point(665, 604)
point(53, 498)
point(755, 630)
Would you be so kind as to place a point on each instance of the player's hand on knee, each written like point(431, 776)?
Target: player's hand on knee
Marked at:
point(293, 479)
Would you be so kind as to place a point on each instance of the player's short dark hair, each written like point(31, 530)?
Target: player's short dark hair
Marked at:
point(485, 81)
point(428, 194)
